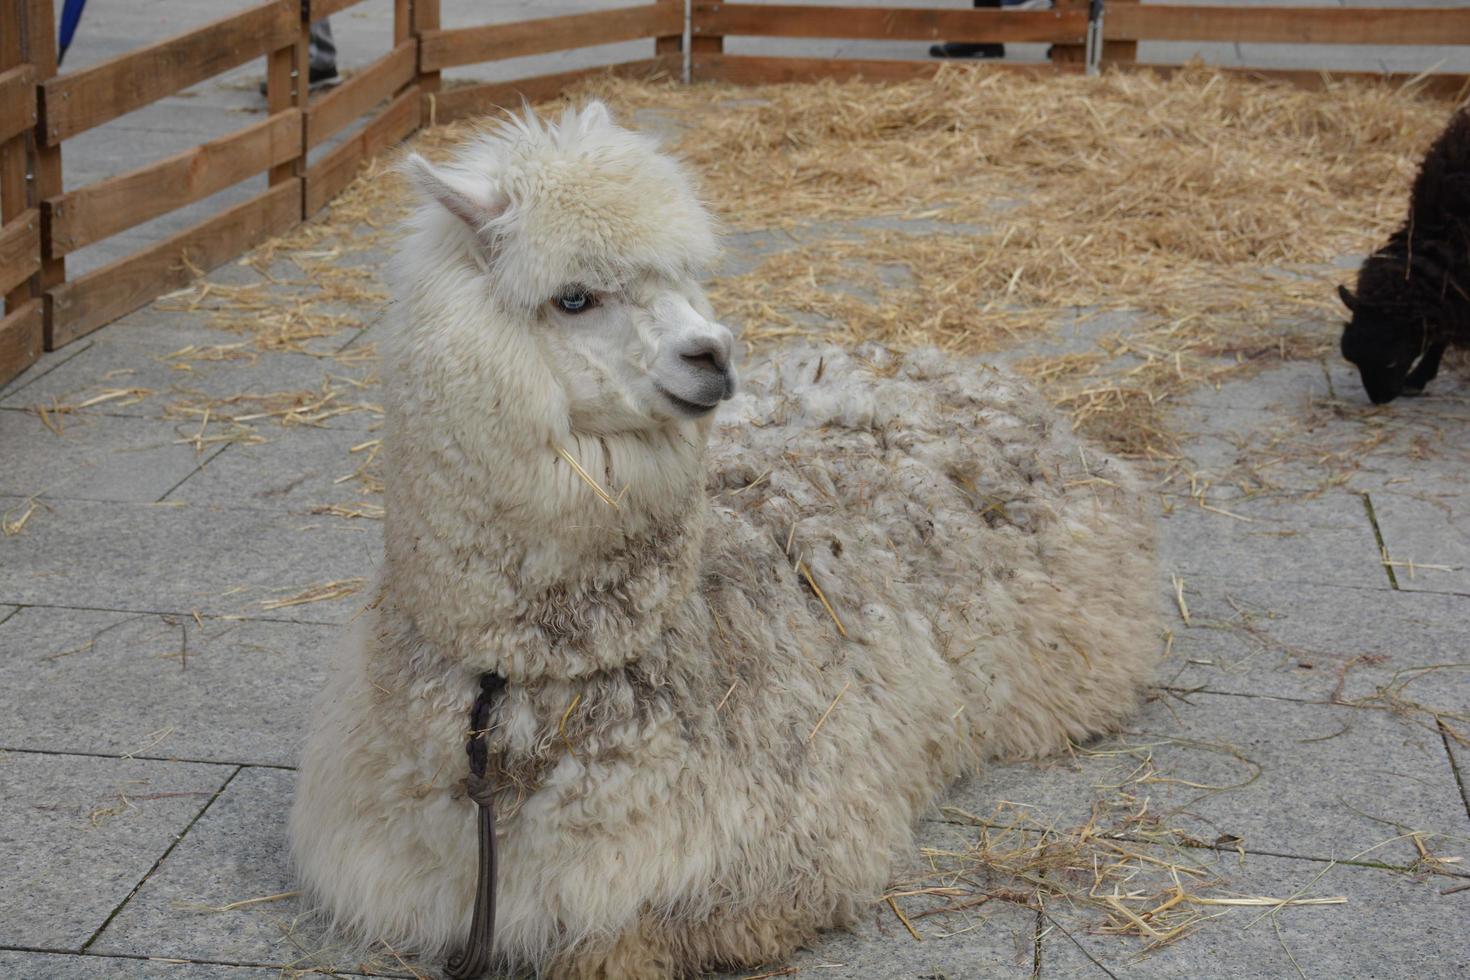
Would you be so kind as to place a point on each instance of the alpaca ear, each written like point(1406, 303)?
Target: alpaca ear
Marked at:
point(595, 114)
point(468, 200)
point(1348, 299)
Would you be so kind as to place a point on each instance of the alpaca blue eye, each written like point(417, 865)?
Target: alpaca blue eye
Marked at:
point(575, 301)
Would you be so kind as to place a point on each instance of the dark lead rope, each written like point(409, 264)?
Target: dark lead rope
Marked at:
point(474, 960)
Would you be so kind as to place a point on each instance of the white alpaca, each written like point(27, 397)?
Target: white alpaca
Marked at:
point(700, 759)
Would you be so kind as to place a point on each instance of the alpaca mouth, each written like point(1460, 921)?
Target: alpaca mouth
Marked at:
point(692, 409)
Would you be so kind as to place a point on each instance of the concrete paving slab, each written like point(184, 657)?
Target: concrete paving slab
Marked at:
point(991, 940)
point(95, 457)
point(179, 559)
point(45, 363)
point(301, 470)
point(1323, 643)
point(1323, 540)
point(1286, 389)
point(211, 690)
point(236, 851)
point(1391, 925)
point(1213, 766)
point(82, 832)
point(1427, 537)
point(141, 381)
point(61, 966)
point(1307, 427)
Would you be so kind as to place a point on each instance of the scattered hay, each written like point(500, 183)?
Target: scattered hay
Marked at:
point(325, 592)
point(1156, 893)
point(361, 509)
point(14, 520)
point(286, 408)
point(368, 473)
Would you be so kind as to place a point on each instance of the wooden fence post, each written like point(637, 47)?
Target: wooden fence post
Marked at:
point(672, 44)
point(701, 41)
point(402, 21)
point(22, 329)
point(40, 52)
point(14, 196)
point(425, 16)
point(286, 86)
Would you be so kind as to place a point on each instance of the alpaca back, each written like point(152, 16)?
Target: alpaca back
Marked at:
point(1029, 556)
point(1422, 273)
point(1441, 194)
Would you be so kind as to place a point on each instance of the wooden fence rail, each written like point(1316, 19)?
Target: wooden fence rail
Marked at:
point(75, 102)
point(878, 23)
point(1288, 25)
point(41, 223)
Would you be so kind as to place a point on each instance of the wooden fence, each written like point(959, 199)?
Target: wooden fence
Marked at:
point(39, 110)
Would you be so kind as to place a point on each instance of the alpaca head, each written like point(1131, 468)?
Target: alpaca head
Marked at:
point(582, 245)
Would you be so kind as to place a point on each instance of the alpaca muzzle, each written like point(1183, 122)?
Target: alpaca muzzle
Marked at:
point(474, 960)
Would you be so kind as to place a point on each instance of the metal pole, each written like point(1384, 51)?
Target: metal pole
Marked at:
point(1094, 36)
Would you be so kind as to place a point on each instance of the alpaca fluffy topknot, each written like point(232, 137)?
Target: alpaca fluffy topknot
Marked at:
point(580, 200)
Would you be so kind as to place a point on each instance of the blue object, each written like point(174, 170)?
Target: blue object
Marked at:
point(71, 16)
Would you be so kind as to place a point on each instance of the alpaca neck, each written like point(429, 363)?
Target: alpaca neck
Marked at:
point(514, 542)
point(505, 558)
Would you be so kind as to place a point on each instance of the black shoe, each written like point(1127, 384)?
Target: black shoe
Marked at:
point(320, 78)
point(964, 49)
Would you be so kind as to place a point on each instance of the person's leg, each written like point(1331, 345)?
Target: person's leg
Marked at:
point(965, 49)
point(322, 51)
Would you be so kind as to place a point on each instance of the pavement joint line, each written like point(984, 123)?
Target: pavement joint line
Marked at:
point(195, 471)
point(187, 614)
point(347, 523)
point(358, 334)
point(1183, 692)
point(1042, 913)
point(145, 958)
point(89, 413)
point(161, 858)
point(1233, 580)
point(1449, 750)
point(130, 756)
point(1393, 579)
point(1222, 849)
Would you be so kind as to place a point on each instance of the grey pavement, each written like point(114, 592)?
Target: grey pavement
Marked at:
point(190, 519)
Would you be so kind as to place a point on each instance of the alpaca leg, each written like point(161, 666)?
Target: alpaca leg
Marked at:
point(685, 949)
point(1425, 370)
point(641, 953)
point(747, 941)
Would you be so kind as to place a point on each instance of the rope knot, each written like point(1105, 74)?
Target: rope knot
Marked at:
point(475, 958)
